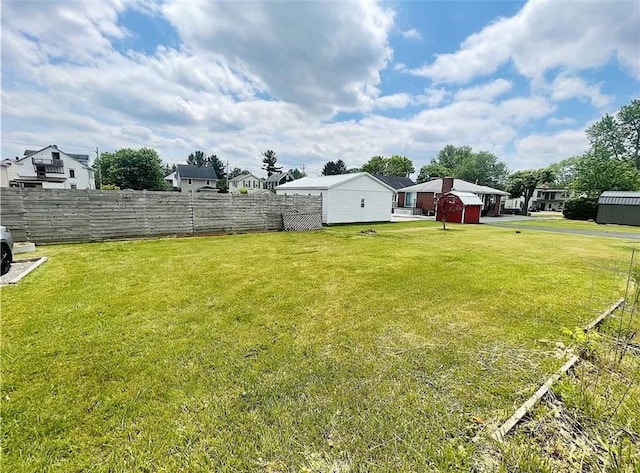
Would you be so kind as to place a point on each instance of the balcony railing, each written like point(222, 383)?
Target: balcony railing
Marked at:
point(54, 166)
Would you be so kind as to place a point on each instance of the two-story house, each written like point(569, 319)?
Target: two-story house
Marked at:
point(49, 168)
point(245, 181)
point(195, 178)
point(549, 199)
point(278, 179)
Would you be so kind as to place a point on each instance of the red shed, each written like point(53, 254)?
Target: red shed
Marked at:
point(459, 207)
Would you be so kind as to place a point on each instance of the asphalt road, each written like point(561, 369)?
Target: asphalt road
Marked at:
point(573, 231)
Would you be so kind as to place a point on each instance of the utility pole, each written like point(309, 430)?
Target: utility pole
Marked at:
point(99, 171)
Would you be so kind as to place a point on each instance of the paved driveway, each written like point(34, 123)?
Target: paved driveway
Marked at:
point(574, 231)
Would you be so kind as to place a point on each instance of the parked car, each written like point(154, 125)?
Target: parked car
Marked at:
point(7, 249)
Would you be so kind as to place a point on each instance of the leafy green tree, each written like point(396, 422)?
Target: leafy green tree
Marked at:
point(399, 166)
point(462, 162)
point(565, 171)
point(606, 134)
point(269, 162)
point(333, 168)
point(218, 166)
point(432, 171)
point(524, 183)
point(629, 118)
point(129, 168)
point(235, 172)
point(376, 165)
point(618, 136)
point(169, 168)
point(297, 174)
point(197, 158)
point(596, 172)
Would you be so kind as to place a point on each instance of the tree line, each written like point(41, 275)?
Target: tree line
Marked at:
point(142, 169)
point(612, 162)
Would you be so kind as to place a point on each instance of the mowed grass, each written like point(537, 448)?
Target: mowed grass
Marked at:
point(575, 225)
point(319, 351)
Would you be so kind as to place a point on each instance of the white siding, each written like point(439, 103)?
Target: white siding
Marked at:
point(343, 203)
point(4, 176)
point(345, 200)
point(83, 176)
point(247, 181)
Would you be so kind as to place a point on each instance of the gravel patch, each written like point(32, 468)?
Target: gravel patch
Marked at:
point(20, 269)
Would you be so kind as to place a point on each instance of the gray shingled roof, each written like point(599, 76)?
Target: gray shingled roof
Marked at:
point(397, 182)
point(276, 177)
point(81, 158)
point(435, 185)
point(196, 172)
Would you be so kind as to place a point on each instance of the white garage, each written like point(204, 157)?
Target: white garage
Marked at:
point(346, 198)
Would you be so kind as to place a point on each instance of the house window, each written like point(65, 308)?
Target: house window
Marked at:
point(362, 203)
point(189, 181)
point(235, 183)
point(55, 155)
point(74, 186)
point(72, 173)
point(207, 181)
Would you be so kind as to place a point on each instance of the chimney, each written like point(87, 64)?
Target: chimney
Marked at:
point(447, 184)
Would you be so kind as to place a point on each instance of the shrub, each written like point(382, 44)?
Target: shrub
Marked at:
point(582, 208)
point(243, 190)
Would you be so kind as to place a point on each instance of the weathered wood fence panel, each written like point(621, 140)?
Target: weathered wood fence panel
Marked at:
point(55, 215)
point(14, 215)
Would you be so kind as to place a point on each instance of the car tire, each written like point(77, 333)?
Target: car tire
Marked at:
point(6, 259)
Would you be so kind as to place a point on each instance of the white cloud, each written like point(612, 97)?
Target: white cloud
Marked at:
point(433, 96)
point(303, 52)
point(565, 87)
point(540, 150)
point(400, 100)
point(561, 121)
point(544, 35)
point(242, 80)
point(411, 34)
point(486, 92)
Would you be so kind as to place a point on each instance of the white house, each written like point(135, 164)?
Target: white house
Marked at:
point(49, 168)
point(246, 181)
point(550, 199)
point(171, 180)
point(346, 198)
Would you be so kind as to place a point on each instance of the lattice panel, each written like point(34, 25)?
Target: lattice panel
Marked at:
point(297, 222)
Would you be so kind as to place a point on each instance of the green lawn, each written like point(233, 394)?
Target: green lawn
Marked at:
point(319, 351)
point(573, 224)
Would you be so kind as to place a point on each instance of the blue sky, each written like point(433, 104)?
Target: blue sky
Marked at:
point(316, 81)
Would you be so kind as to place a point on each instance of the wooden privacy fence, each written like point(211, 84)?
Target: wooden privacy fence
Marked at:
point(57, 215)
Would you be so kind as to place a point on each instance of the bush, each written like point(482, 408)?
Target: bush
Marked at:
point(582, 208)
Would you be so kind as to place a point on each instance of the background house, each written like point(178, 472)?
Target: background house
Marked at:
point(4, 175)
point(346, 198)
point(422, 198)
point(192, 178)
point(171, 180)
point(397, 182)
point(621, 207)
point(248, 181)
point(545, 199)
point(49, 168)
point(275, 180)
